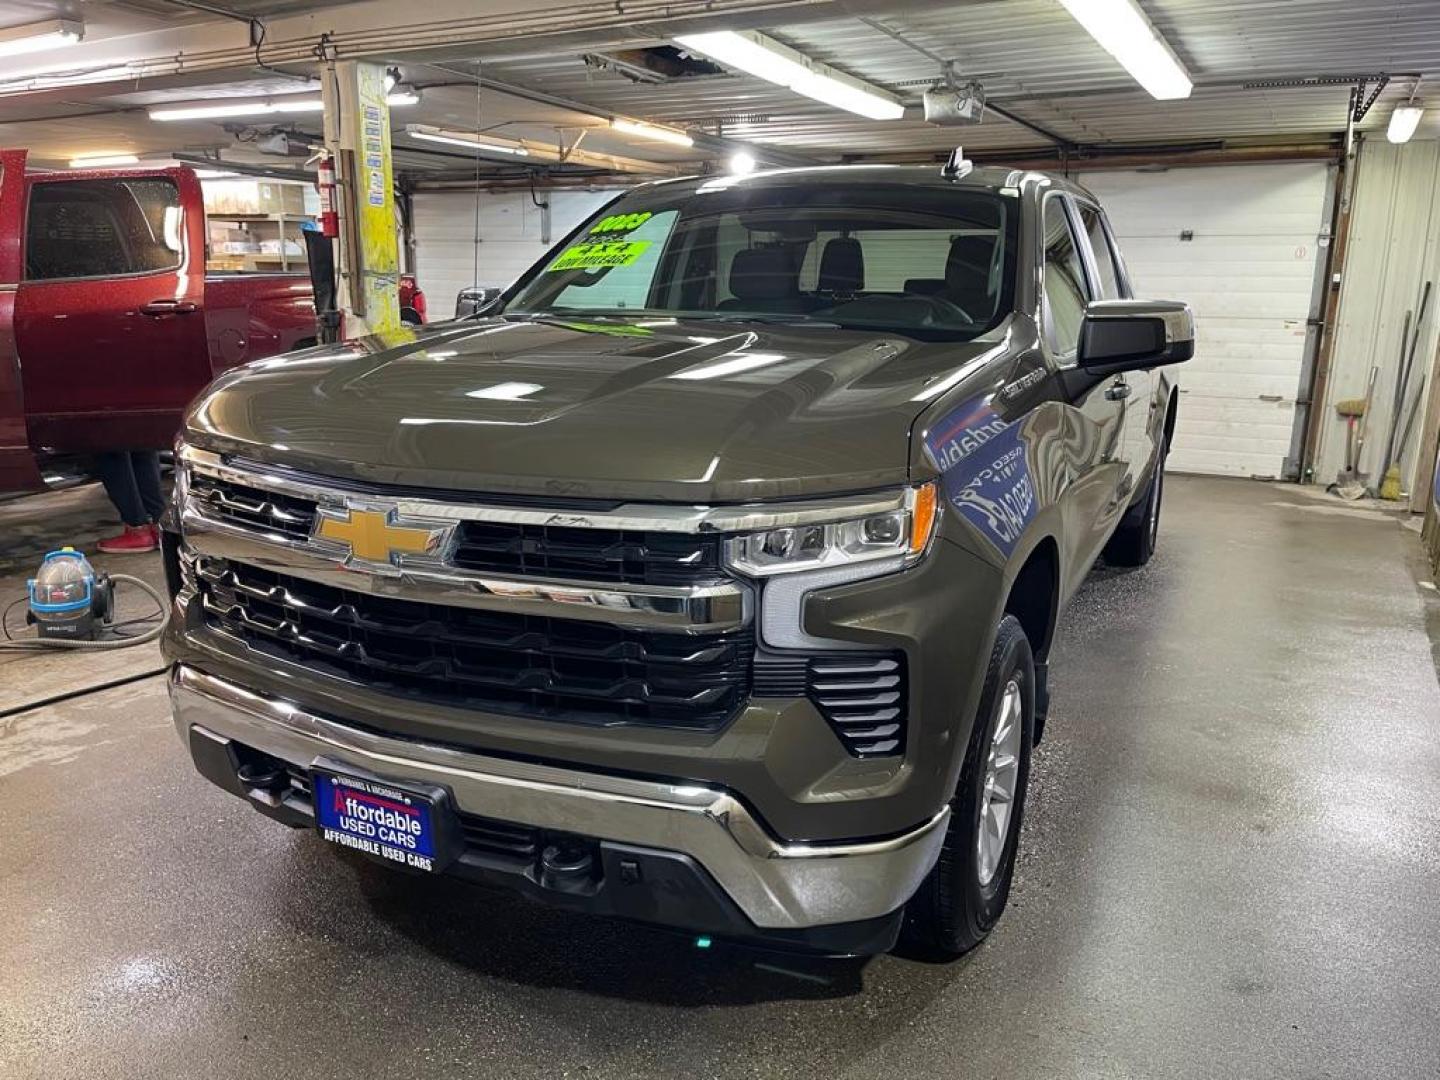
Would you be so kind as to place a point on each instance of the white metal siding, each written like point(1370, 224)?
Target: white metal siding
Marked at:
point(447, 256)
point(1249, 275)
point(1393, 249)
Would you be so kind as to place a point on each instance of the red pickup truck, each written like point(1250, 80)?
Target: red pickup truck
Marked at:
point(109, 322)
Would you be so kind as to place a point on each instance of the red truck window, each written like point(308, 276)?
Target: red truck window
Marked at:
point(102, 228)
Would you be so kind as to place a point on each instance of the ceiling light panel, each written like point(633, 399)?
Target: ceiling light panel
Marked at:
point(225, 110)
point(656, 132)
point(1122, 30)
point(1403, 122)
point(37, 37)
point(765, 58)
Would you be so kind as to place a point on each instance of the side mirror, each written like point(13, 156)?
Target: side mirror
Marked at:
point(1129, 335)
point(475, 299)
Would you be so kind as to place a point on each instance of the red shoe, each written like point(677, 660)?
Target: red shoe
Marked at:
point(135, 538)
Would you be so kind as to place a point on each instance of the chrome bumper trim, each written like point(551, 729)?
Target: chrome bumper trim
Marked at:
point(660, 517)
point(777, 885)
point(682, 609)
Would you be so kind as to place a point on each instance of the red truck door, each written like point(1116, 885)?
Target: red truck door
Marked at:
point(17, 464)
point(109, 315)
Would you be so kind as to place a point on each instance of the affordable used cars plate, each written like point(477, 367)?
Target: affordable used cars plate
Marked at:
point(376, 818)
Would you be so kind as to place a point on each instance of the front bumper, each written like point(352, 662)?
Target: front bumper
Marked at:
point(833, 897)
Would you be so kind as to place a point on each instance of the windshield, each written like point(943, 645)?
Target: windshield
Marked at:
point(929, 262)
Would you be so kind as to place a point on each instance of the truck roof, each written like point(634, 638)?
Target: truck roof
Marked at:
point(981, 177)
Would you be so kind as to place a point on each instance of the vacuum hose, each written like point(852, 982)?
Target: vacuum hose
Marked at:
point(38, 645)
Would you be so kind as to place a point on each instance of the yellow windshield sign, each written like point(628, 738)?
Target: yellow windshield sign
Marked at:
point(599, 254)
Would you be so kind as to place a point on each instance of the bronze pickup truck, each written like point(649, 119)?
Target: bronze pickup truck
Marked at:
point(705, 577)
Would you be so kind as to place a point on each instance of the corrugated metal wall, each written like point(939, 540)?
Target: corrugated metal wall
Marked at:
point(1394, 248)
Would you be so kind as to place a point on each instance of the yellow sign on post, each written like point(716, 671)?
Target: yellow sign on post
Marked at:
point(371, 289)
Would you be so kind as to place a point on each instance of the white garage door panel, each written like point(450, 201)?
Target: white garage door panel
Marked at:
point(1249, 274)
point(511, 232)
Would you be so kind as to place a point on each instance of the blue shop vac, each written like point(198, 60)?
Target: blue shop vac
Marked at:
point(72, 606)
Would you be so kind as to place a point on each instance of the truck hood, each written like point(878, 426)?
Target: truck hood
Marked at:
point(693, 411)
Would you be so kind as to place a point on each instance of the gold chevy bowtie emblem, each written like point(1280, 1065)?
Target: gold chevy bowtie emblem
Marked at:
point(373, 537)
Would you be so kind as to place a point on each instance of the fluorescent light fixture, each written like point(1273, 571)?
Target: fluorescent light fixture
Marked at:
point(214, 174)
point(673, 136)
point(765, 58)
point(742, 163)
point(103, 161)
point(1403, 122)
point(1122, 30)
point(486, 145)
point(505, 391)
point(37, 37)
point(220, 110)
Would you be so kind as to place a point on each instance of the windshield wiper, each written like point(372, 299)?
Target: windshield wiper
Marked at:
point(776, 317)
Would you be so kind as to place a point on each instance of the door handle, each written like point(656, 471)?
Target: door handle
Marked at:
point(160, 308)
point(1118, 391)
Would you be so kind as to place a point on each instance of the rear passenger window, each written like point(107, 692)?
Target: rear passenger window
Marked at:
point(1066, 293)
point(102, 228)
point(1104, 255)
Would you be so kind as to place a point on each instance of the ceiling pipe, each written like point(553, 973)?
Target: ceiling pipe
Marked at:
point(716, 145)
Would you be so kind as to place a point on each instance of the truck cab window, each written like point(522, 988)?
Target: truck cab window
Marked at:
point(1095, 230)
point(1066, 293)
point(101, 228)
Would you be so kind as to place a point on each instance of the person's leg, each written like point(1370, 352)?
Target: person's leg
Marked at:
point(146, 466)
point(118, 476)
point(130, 489)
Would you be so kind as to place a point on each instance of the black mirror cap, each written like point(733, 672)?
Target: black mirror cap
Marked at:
point(475, 299)
point(1130, 335)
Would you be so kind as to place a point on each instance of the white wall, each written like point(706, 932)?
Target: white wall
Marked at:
point(447, 256)
point(1393, 248)
point(1249, 275)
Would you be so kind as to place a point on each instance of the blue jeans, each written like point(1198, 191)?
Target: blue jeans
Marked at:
point(132, 480)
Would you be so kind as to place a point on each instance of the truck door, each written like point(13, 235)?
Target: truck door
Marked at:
point(1095, 464)
point(17, 464)
point(1138, 386)
point(109, 315)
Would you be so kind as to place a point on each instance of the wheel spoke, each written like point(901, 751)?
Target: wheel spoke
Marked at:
point(1002, 773)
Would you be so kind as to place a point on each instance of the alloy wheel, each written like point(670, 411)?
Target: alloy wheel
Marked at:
point(1002, 773)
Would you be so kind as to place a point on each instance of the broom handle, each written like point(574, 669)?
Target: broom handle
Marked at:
point(1407, 366)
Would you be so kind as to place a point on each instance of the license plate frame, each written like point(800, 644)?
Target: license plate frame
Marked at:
point(411, 826)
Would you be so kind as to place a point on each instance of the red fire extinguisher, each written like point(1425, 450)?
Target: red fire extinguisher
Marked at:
point(329, 216)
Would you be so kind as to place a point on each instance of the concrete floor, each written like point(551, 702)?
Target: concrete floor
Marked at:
point(1231, 867)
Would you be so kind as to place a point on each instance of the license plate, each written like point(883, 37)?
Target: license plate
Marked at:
point(376, 818)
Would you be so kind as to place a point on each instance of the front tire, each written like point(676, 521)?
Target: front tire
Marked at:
point(966, 891)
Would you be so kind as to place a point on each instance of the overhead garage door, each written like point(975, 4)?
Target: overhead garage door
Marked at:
point(511, 231)
point(1248, 270)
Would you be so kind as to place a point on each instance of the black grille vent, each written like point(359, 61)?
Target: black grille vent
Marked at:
point(861, 694)
point(781, 676)
point(528, 665)
point(863, 697)
point(252, 508)
point(631, 557)
point(502, 838)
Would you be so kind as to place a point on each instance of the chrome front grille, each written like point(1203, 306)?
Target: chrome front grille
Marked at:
point(268, 512)
point(516, 549)
point(494, 661)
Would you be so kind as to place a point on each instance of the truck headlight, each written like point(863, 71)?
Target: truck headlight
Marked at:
point(902, 533)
